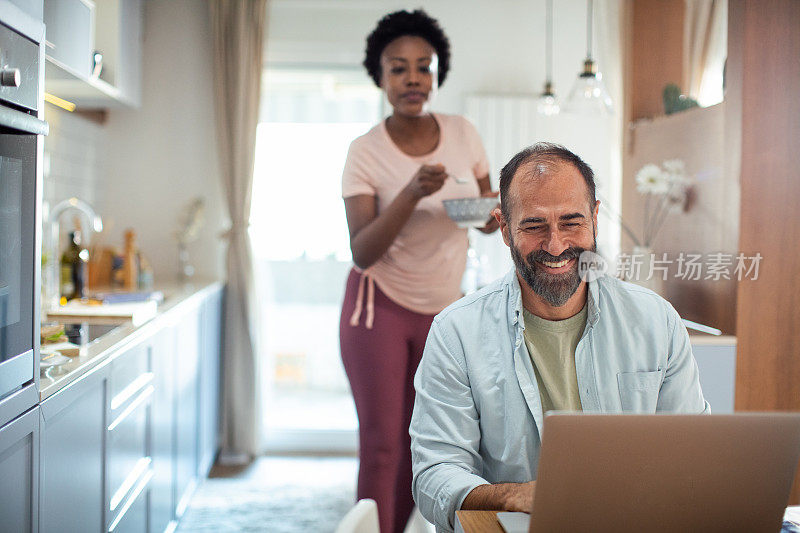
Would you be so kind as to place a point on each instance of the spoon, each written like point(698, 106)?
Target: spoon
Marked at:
point(460, 181)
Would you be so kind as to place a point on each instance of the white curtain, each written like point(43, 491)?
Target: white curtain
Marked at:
point(705, 46)
point(238, 28)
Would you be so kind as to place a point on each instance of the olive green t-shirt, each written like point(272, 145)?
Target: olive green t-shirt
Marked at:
point(551, 345)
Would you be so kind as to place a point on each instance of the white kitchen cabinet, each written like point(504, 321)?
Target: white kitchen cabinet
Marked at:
point(118, 36)
point(716, 362)
point(69, 37)
point(209, 382)
point(115, 30)
point(187, 356)
point(19, 470)
point(73, 433)
point(129, 467)
point(162, 489)
point(122, 444)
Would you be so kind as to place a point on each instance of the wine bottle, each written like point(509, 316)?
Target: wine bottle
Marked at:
point(74, 265)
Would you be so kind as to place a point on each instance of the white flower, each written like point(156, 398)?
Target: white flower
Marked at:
point(676, 167)
point(676, 201)
point(676, 175)
point(652, 180)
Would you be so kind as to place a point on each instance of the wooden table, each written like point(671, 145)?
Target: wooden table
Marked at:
point(478, 522)
point(487, 522)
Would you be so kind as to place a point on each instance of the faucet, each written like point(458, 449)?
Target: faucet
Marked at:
point(52, 223)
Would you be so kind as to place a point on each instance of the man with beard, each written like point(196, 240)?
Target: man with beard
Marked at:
point(540, 338)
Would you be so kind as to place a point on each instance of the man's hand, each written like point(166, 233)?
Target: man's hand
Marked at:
point(521, 498)
point(501, 497)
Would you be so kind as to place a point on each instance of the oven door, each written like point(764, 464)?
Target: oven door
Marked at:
point(19, 238)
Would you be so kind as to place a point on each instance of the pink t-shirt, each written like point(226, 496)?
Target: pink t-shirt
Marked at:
point(422, 268)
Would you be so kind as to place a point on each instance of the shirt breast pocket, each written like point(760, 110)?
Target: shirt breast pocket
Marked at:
point(638, 391)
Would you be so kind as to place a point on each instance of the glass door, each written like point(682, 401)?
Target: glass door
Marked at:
point(301, 250)
point(17, 257)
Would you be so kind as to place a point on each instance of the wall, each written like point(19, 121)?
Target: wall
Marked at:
point(698, 137)
point(504, 53)
point(161, 156)
point(73, 161)
point(765, 47)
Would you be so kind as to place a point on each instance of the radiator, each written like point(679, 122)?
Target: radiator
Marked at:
point(508, 123)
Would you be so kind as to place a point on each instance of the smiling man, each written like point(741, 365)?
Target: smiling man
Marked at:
point(540, 338)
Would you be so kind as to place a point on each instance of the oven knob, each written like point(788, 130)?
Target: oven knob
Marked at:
point(9, 77)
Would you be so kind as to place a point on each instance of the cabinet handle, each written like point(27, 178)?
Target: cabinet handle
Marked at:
point(17, 120)
point(128, 392)
point(137, 491)
point(132, 407)
point(142, 466)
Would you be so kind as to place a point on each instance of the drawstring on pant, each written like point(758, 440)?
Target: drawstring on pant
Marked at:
point(365, 278)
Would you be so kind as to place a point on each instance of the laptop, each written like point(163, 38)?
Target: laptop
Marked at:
point(662, 472)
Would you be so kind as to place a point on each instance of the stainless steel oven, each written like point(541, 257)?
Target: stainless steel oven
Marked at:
point(21, 130)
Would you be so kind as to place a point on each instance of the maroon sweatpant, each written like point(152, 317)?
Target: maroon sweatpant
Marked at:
point(380, 364)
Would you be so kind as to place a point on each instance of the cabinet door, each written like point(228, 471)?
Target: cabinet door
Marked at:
point(129, 73)
point(209, 381)
point(19, 471)
point(73, 432)
point(186, 387)
point(70, 34)
point(162, 500)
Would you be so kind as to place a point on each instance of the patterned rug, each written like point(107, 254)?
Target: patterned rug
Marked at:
point(276, 495)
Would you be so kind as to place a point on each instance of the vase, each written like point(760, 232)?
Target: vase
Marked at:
point(645, 269)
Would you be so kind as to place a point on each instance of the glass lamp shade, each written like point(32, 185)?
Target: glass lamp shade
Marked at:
point(547, 103)
point(589, 95)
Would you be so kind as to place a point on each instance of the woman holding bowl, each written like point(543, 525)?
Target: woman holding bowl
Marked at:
point(409, 256)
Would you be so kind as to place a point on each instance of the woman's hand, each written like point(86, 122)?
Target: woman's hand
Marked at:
point(427, 180)
point(491, 224)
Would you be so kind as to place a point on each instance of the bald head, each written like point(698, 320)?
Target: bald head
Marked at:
point(539, 160)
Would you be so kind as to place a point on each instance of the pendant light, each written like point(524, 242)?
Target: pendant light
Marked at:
point(547, 103)
point(589, 95)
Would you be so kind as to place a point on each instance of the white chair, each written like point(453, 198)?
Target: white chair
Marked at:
point(362, 518)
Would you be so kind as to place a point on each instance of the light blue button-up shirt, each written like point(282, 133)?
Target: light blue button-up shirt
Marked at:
point(478, 414)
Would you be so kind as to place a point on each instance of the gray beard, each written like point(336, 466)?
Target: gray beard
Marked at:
point(555, 289)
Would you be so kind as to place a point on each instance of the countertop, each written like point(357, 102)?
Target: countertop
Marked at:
point(102, 350)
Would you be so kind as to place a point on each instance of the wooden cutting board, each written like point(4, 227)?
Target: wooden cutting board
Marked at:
point(136, 312)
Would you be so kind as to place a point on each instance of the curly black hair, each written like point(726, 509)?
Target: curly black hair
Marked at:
point(398, 24)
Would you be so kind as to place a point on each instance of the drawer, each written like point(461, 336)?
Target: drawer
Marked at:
point(131, 372)
point(128, 449)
